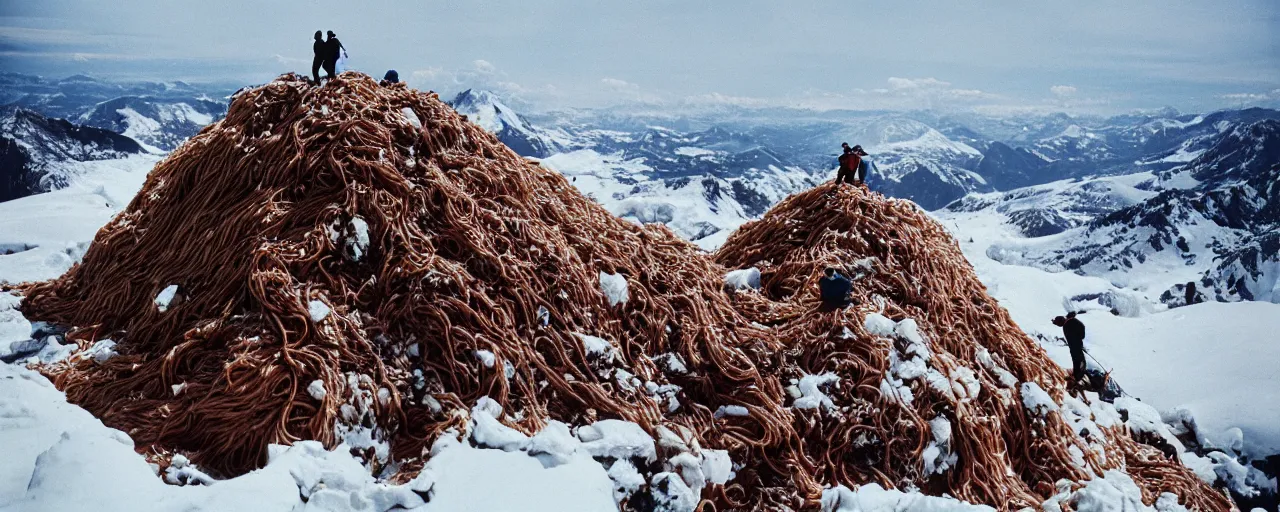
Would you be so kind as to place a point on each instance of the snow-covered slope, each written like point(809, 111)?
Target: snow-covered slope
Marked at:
point(157, 114)
point(156, 122)
point(42, 235)
point(1209, 220)
point(485, 109)
point(38, 154)
point(1204, 368)
point(704, 209)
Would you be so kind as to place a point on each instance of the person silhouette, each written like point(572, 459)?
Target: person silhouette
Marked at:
point(333, 49)
point(318, 48)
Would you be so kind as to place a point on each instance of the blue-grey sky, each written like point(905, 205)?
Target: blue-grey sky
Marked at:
point(1079, 55)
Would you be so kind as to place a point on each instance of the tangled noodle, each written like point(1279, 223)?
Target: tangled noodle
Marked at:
point(472, 248)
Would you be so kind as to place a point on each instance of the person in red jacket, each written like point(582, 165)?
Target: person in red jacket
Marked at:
point(859, 165)
point(848, 165)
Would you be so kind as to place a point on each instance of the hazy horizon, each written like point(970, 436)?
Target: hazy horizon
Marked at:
point(1084, 57)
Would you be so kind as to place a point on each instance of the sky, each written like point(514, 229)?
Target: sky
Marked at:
point(1085, 56)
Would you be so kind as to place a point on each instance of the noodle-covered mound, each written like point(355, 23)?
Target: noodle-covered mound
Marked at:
point(327, 260)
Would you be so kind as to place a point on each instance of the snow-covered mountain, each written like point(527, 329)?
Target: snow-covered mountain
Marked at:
point(39, 154)
point(157, 122)
point(486, 110)
point(157, 114)
point(1212, 220)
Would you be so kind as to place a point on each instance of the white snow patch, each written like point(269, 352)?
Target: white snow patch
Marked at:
point(318, 310)
point(744, 279)
point(614, 287)
point(165, 297)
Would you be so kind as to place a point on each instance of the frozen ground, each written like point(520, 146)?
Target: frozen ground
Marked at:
point(48, 232)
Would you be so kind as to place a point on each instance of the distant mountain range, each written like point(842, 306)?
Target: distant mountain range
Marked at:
point(159, 115)
point(1213, 219)
point(1148, 200)
point(38, 154)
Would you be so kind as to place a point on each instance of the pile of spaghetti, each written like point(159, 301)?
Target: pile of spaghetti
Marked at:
point(326, 258)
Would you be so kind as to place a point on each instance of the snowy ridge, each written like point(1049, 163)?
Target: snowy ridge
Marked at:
point(40, 154)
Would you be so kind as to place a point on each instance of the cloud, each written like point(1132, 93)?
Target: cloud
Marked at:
point(619, 85)
point(484, 66)
point(896, 83)
point(1252, 97)
point(1062, 91)
point(717, 99)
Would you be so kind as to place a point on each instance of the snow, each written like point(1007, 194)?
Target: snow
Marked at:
point(744, 279)
point(485, 357)
point(671, 494)
point(874, 498)
point(616, 439)
point(318, 310)
point(693, 152)
point(1208, 359)
point(595, 346)
point(732, 410)
point(879, 325)
point(460, 477)
point(165, 297)
point(56, 227)
point(316, 389)
point(488, 432)
point(811, 396)
point(1036, 400)
point(614, 288)
point(58, 457)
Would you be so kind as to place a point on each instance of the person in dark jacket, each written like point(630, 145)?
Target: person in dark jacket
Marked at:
point(333, 49)
point(1191, 292)
point(320, 50)
point(1073, 330)
point(392, 77)
point(834, 289)
point(845, 174)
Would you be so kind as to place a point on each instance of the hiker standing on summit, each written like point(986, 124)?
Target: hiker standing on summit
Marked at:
point(321, 51)
point(1073, 330)
point(333, 50)
point(860, 165)
point(852, 166)
point(847, 158)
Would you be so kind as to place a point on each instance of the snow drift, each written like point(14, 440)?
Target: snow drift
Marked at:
point(473, 273)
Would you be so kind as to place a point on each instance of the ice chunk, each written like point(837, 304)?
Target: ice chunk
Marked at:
point(879, 325)
point(909, 330)
point(614, 287)
point(486, 358)
point(165, 297)
point(811, 396)
point(101, 351)
point(412, 117)
point(318, 311)
point(732, 410)
point(316, 389)
point(357, 243)
point(717, 466)
point(598, 347)
point(626, 479)
point(488, 432)
point(1037, 400)
point(670, 494)
point(617, 439)
point(745, 279)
